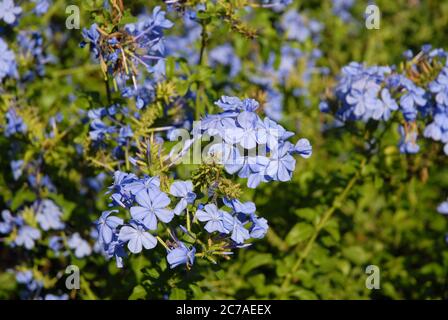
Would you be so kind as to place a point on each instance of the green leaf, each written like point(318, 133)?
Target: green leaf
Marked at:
point(138, 293)
point(178, 294)
point(304, 294)
point(197, 291)
point(308, 214)
point(255, 262)
point(21, 197)
point(355, 254)
point(300, 232)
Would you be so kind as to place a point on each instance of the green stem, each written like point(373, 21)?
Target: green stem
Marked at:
point(327, 215)
point(188, 221)
point(86, 288)
point(274, 239)
point(162, 243)
point(200, 85)
point(108, 93)
point(126, 155)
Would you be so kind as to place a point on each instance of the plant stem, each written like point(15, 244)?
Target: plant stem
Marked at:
point(188, 221)
point(327, 215)
point(162, 243)
point(200, 89)
point(274, 239)
point(108, 93)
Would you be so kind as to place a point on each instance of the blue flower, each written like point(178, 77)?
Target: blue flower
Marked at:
point(226, 56)
point(9, 222)
point(153, 205)
point(440, 87)
point(443, 208)
point(145, 184)
point(227, 103)
point(341, 8)
point(273, 106)
point(213, 216)
point(92, 37)
point(246, 133)
point(31, 49)
point(362, 101)
point(389, 104)
point(218, 124)
point(238, 207)
point(297, 27)
point(26, 237)
point(413, 98)
point(276, 5)
point(270, 133)
point(259, 227)
point(15, 123)
point(99, 130)
point(8, 11)
point(107, 225)
point(8, 66)
point(303, 148)
point(96, 183)
point(438, 128)
point(41, 6)
point(181, 255)
point(281, 163)
point(183, 190)
point(26, 277)
point(119, 187)
point(255, 171)
point(81, 246)
point(233, 225)
point(17, 168)
point(56, 297)
point(147, 33)
point(433, 131)
point(137, 236)
point(115, 249)
point(124, 134)
point(49, 215)
point(408, 143)
point(55, 243)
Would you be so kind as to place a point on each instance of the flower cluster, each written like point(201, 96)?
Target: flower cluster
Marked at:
point(138, 45)
point(225, 55)
point(381, 92)
point(41, 6)
point(438, 128)
point(153, 211)
point(299, 27)
point(33, 285)
point(14, 123)
point(148, 208)
point(32, 53)
point(254, 148)
point(104, 123)
point(23, 229)
point(155, 208)
point(341, 8)
point(8, 66)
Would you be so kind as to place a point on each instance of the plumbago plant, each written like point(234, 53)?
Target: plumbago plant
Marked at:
point(202, 217)
point(159, 149)
point(205, 211)
point(413, 95)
